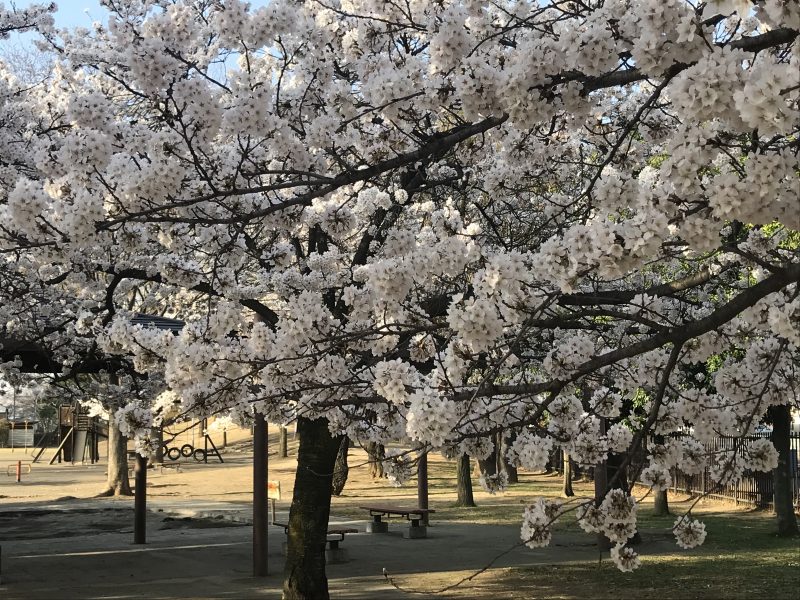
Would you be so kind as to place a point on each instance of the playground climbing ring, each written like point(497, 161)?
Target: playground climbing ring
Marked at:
point(185, 451)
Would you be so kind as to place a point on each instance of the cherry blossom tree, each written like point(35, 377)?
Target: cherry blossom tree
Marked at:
point(431, 221)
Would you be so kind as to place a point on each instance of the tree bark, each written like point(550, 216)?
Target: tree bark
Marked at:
point(509, 469)
point(158, 437)
point(341, 469)
point(660, 501)
point(567, 489)
point(304, 573)
point(780, 417)
point(117, 483)
point(464, 482)
point(283, 442)
point(377, 454)
point(488, 465)
point(661, 504)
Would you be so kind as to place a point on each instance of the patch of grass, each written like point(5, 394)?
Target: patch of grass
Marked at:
point(741, 559)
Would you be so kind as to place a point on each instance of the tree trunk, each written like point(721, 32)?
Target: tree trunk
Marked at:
point(488, 465)
point(661, 504)
point(304, 573)
point(509, 469)
point(617, 477)
point(158, 440)
point(117, 483)
point(660, 501)
point(567, 490)
point(377, 454)
point(782, 478)
point(600, 489)
point(283, 442)
point(464, 482)
point(341, 469)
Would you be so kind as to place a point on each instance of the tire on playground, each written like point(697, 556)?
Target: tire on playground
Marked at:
point(173, 453)
point(199, 455)
point(187, 450)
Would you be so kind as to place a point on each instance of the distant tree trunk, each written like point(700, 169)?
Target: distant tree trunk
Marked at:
point(615, 469)
point(376, 453)
point(488, 465)
point(117, 483)
point(158, 441)
point(660, 501)
point(304, 574)
point(567, 490)
point(780, 417)
point(341, 469)
point(661, 504)
point(464, 482)
point(509, 469)
point(283, 442)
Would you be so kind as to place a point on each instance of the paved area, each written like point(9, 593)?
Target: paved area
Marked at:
point(203, 552)
point(57, 542)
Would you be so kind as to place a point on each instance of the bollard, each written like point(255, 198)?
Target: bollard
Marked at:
point(19, 471)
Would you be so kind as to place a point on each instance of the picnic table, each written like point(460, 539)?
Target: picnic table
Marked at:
point(413, 515)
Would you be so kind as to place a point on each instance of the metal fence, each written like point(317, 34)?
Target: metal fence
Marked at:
point(754, 488)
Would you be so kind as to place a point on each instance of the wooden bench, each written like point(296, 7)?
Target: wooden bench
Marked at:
point(333, 538)
point(415, 516)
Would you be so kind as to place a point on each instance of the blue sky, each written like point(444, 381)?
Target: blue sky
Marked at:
point(72, 13)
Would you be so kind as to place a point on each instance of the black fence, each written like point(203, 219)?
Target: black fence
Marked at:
point(754, 488)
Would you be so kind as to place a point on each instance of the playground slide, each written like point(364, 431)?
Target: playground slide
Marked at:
point(79, 446)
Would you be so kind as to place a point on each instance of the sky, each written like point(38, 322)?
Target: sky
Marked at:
point(72, 13)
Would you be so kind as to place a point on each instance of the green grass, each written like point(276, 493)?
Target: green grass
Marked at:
point(742, 558)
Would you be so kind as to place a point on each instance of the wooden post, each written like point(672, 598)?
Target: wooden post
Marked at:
point(260, 509)
point(422, 484)
point(140, 502)
point(205, 441)
point(283, 442)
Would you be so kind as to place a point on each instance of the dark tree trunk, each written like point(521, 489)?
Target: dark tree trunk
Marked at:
point(117, 483)
point(488, 465)
point(283, 442)
point(509, 469)
point(660, 501)
point(617, 474)
point(377, 454)
point(780, 417)
point(304, 573)
point(341, 469)
point(464, 482)
point(661, 504)
point(158, 440)
point(567, 489)
point(617, 477)
point(601, 478)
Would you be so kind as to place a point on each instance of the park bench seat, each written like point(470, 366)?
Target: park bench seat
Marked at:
point(333, 538)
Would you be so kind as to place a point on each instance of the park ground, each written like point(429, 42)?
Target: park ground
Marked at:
point(58, 542)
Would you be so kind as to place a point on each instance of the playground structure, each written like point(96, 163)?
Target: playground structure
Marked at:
point(173, 449)
point(78, 435)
